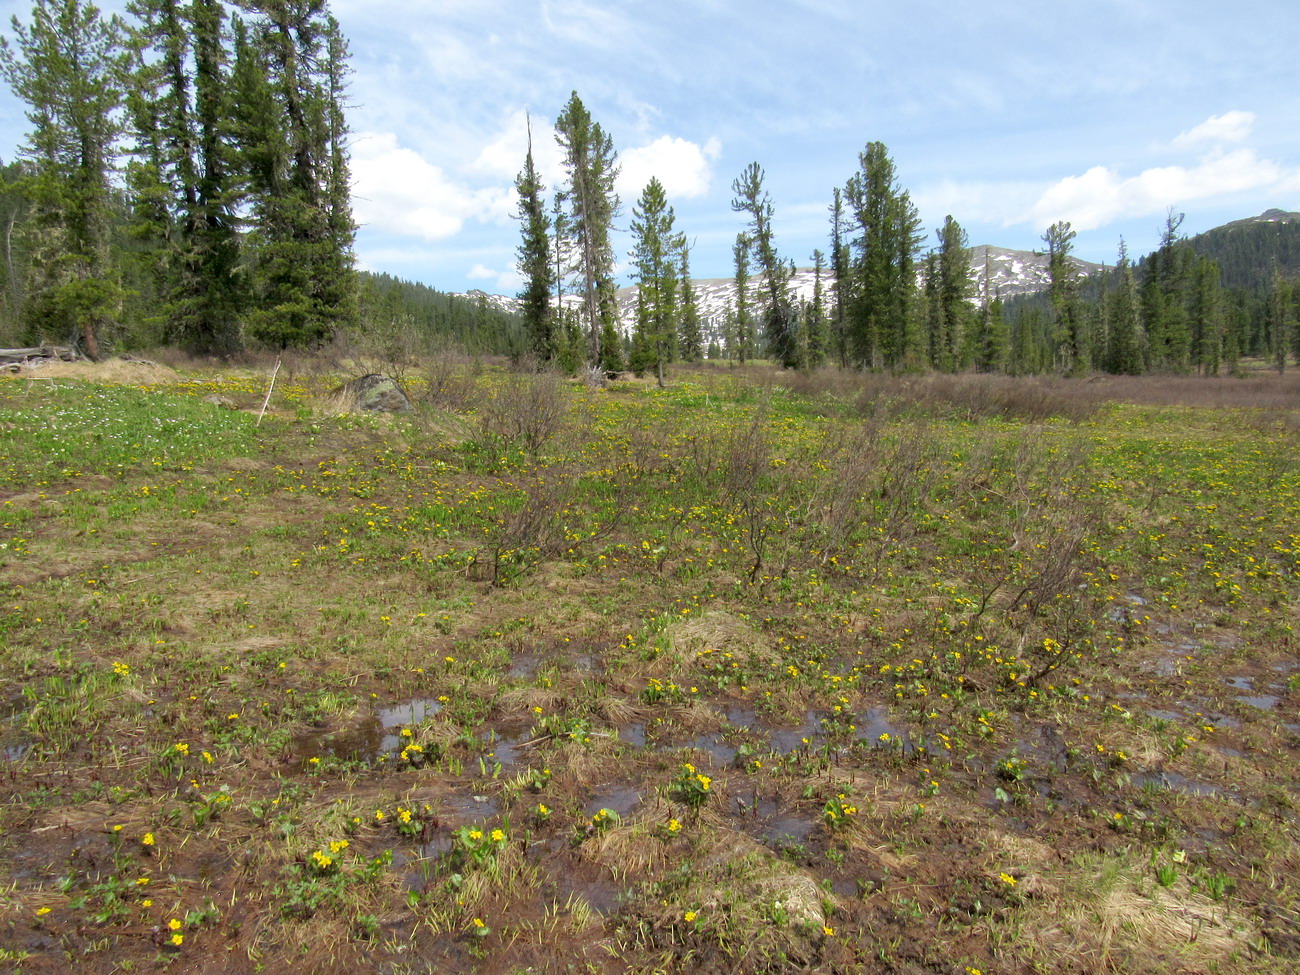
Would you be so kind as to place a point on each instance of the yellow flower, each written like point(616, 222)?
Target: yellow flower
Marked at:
point(1007, 879)
point(174, 924)
point(690, 916)
point(479, 923)
point(177, 939)
point(148, 839)
point(828, 930)
point(42, 911)
point(147, 902)
point(498, 836)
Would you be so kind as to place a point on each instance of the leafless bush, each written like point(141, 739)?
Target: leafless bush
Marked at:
point(448, 379)
point(525, 408)
point(534, 527)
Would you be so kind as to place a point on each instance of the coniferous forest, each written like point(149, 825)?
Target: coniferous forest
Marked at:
point(185, 183)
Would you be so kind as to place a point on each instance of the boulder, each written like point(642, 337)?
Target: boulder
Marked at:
point(377, 393)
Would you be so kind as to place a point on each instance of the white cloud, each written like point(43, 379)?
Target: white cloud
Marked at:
point(1232, 126)
point(396, 189)
point(479, 271)
point(1101, 195)
point(685, 168)
point(503, 156)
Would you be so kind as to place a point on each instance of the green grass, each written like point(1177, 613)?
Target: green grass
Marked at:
point(888, 678)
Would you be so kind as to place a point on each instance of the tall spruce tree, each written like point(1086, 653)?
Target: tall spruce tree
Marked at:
point(841, 283)
point(741, 346)
point(290, 66)
point(1070, 345)
point(1124, 352)
point(779, 319)
point(954, 295)
point(1207, 317)
point(654, 262)
point(184, 177)
point(882, 318)
point(591, 166)
point(535, 260)
point(690, 333)
point(68, 65)
point(815, 333)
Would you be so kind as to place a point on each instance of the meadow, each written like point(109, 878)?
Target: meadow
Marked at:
point(752, 673)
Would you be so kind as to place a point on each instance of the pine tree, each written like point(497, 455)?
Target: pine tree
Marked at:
point(1069, 333)
point(841, 284)
point(654, 261)
point(590, 164)
point(990, 347)
point(1207, 318)
point(954, 295)
point(690, 335)
point(1124, 348)
point(185, 189)
point(68, 65)
point(288, 79)
point(741, 346)
point(882, 319)
point(535, 260)
point(815, 330)
point(780, 323)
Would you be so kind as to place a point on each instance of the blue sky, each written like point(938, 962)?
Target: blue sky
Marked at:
point(1007, 115)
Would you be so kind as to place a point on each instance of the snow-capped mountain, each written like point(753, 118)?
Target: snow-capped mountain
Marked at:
point(1009, 272)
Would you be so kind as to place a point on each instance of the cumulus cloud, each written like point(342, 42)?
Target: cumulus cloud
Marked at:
point(1232, 126)
point(503, 156)
point(685, 168)
point(1102, 195)
point(396, 189)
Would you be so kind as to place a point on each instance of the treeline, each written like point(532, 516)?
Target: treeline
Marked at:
point(233, 224)
point(881, 300)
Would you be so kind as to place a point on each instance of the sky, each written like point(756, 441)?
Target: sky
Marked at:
point(1009, 116)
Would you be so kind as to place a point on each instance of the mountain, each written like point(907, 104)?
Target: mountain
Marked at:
point(1247, 250)
point(1010, 272)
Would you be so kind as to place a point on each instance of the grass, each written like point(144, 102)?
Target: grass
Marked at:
point(753, 673)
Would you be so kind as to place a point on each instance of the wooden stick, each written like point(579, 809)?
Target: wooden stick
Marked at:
point(274, 373)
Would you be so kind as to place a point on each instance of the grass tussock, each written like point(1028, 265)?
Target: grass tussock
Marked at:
point(753, 673)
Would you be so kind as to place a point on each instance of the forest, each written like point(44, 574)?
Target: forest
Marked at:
point(185, 183)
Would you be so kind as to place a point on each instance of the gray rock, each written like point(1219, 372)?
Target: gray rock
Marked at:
point(378, 393)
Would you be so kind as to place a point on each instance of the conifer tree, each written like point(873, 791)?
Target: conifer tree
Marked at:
point(780, 323)
point(1125, 341)
point(654, 262)
point(535, 260)
point(290, 66)
point(815, 330)
point(690, 334)
point(186, 190)
point(591, 165)
point(954, 295)
point(741, 347)
point(882, 319)
point(68, 65)
point(1207, 318)
point(1069, 333)
point(841, 282)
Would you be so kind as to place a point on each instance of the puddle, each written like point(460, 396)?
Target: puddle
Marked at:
point(622, 799)
point(603, 895)
point(1161, 714)
point(1264, 702)
point(372, 736)
point(464, 807)
point(523, 667)
point(787, 829)
point(789, 739)
point(719, 750)
point(1241, 683)
point(633, 734)
point(1173, 782)
point(15, 751)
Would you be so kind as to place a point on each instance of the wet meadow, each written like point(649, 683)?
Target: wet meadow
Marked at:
point(751, 673)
